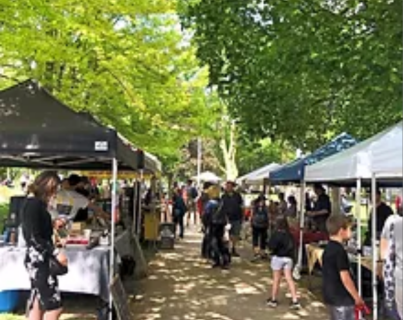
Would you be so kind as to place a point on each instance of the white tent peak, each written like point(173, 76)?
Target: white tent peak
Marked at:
point(208, 176)
point(257, 176)
point(381, 153)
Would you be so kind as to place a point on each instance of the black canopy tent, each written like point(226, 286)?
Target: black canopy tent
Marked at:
point(38, 131)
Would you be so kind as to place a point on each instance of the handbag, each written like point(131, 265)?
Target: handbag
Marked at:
point(56, 269)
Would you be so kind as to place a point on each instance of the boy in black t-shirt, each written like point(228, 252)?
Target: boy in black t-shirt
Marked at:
point(339, 291)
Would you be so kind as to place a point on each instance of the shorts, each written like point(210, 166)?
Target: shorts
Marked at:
point(341, 313)
point(281, 263)
point(236, 228)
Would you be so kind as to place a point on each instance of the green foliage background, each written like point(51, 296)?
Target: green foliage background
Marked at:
point(303, 71)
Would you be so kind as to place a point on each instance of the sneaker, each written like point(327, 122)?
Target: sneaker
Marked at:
point(295, 305)
point(272, 303)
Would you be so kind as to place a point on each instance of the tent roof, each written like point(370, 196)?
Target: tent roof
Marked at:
point(208, 176)
point(387, 158)
point(38, 131)
point(382, 152)
point(295, 170)
point(257, 176)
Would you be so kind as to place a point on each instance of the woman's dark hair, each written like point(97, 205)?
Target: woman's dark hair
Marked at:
point(45, 185)
point(282, 223)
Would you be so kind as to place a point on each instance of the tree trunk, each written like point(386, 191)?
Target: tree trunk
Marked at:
point(228, 150)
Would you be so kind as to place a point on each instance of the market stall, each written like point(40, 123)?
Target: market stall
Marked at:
point(258, 176)
point(378, 158)
point(294, 172)
point(37, 131)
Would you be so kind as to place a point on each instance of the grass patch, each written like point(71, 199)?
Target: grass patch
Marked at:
point(7, 316)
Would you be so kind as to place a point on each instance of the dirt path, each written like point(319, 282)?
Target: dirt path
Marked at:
point(182, 286)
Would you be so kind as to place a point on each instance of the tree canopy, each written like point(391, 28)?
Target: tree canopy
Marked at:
point(127, 62)
point(303, 71)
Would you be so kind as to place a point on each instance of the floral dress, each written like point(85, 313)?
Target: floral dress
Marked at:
point(37, 230)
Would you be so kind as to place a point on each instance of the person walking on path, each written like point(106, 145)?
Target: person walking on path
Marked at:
point(260, 225)
point(178, 212)
point(339, 291)
point(282, 246)
point(232, 207)
point(191, 196)
point(215, 221)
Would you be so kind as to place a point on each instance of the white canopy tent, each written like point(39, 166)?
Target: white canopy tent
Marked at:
point(387, 158)
point(258, 176)
point(382, 150)
point(377, 157)
point(207, 176)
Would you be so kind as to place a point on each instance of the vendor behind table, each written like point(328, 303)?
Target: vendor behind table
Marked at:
point(71, 198)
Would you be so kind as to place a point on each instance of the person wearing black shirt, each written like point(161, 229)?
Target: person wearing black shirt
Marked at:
point(322, 208)
point(232, 207)
point(339, 291)
point(383, 212)
point(45, 300)
point(281, 246)
point(260, 225)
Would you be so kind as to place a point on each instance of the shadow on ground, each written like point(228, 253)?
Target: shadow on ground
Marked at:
point(182, 286)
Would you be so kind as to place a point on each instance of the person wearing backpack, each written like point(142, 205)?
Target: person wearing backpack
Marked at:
point(260, 225)
point(215, 220)
point(191, 196)
point(179, 210)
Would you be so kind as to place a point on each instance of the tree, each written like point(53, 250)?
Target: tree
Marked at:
point(256, 154)
point(127, 62)
point(303, 71)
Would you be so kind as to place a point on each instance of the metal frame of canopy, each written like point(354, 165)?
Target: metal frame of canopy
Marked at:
point(37, 131)
point(375, 162)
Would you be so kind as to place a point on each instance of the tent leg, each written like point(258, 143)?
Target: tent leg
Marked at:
point(139, 221)
point(359, 236)
point(374, 251)
point(298, 267)
point(112, 238)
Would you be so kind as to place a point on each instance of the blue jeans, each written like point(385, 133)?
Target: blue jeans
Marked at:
point(341, 312)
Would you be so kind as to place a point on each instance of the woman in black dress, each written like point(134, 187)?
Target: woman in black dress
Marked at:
point(45, 301)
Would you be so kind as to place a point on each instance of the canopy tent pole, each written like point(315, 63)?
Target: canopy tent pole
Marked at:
point(374, 251)
point(298, 267)
point(139, 221)
point(359, 235)
point(112, 237)
point(199, 160)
